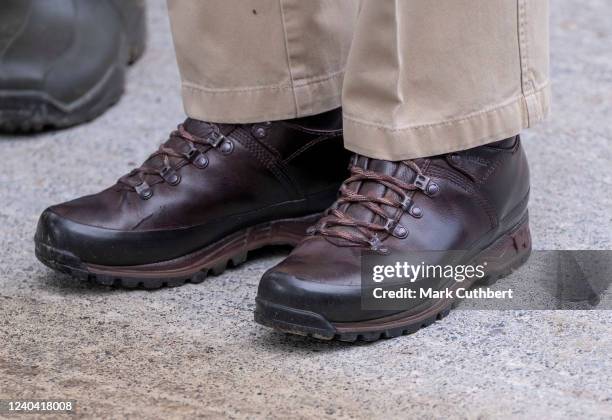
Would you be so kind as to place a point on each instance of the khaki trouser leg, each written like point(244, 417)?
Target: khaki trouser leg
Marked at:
point(429, 77)
point(260, 60)
point(423, 77)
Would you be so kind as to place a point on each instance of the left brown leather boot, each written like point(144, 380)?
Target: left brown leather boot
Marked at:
point(474, 201)
point(203, 200)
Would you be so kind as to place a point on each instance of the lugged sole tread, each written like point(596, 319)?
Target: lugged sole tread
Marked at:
point(149, 284)
point(213, 259)
point(367, 337)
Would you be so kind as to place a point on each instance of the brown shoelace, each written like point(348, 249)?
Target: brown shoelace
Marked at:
point(367, 233)
point(165, 172)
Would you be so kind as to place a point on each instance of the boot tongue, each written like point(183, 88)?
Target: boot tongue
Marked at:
point(372, 188)
point(377, 189)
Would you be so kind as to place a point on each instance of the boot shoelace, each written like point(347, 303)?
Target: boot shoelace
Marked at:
point(369, 231)
point(193, 155)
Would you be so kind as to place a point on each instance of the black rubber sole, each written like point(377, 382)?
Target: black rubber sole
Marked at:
point(310, 324)
point(515, 246)
point(27, 112)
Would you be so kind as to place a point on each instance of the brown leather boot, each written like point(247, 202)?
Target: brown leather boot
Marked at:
point(209, 195)
point(473, 201)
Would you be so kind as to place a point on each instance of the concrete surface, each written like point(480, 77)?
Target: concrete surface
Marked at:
point(195, 351)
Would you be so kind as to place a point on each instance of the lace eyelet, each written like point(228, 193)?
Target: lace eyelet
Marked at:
point(390, 225)
point(432, 189)
point(395, 229)
point(215, 139)
point(196, 157)
point(425, 184)
point(377, 245)
point(259, 132)
point(201, 161)
point(421, 181)
point(227, 147)
point(400, 232)
point(169, 175)
point(416, 212)
point(406, 203)
point(191, 152)
point(144, 191)
point(174, 180)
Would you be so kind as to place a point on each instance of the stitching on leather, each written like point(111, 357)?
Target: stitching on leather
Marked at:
point(263, 157)
point(306, 147)
point(492, 166)
point(267, 159)
point(310, 130)
point(490, 170)
point(270, 148)
point(461, 182)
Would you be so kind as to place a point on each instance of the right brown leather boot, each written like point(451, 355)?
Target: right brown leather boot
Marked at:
point(463, 208)
point(208, 196)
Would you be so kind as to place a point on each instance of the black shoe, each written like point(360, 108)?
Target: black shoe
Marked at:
point(63, 62)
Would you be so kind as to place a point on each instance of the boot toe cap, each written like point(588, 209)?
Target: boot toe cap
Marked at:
point(58, 237)
point(332, 302)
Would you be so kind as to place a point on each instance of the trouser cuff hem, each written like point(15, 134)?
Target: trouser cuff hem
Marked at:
point(497, 123)
point(243, 106)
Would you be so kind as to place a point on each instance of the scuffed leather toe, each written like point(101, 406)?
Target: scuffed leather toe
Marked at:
point(334, 302)
point(66, 236)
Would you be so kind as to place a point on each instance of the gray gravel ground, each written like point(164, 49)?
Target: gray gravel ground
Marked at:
point(195, 350)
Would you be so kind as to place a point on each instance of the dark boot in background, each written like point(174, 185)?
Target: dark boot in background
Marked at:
point(63, 62)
